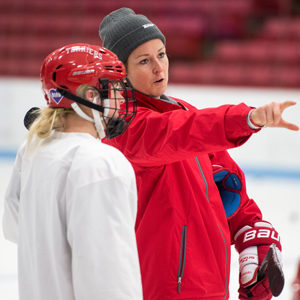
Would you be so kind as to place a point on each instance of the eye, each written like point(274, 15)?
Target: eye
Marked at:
point(144, 61)
point(162, 54)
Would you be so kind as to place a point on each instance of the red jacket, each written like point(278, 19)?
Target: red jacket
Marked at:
point(182, 231)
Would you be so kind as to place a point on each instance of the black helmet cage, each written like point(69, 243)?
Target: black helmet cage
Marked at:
point(118, 122)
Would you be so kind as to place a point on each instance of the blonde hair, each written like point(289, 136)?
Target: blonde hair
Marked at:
point(52, 118)
point(49, 119)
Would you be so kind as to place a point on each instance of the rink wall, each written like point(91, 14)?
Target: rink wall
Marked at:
point(271, 153)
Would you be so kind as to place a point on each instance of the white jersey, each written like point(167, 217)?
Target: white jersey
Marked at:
point(71, 208)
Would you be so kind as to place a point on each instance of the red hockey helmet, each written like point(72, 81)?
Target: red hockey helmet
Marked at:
point(72, 65)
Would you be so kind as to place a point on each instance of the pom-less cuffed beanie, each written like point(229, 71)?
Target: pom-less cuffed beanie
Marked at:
point(122, 31)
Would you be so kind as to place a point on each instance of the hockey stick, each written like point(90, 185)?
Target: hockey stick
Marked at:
point(30, 117)
point(275, 273)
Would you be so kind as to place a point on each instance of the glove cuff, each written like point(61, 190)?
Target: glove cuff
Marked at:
point(262, 233)
point(248, 266)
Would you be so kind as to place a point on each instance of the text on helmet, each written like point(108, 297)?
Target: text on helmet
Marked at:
point(84, 49)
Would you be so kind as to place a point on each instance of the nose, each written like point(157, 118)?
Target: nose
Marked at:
point(158, 68)
point(120, 97)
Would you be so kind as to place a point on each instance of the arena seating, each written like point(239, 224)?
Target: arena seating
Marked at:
point(245, 42)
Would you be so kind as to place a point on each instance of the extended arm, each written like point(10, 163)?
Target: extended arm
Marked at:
point(154, 138)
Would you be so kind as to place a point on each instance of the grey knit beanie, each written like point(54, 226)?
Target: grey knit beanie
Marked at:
point(122, 31)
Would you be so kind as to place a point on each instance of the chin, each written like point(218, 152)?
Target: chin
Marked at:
point(153, 93)
point(158, 92)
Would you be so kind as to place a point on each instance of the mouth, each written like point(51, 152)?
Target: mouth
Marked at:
point(159, 80)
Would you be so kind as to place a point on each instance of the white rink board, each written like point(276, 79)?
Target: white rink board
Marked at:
point(271, 147)
point(271, 160)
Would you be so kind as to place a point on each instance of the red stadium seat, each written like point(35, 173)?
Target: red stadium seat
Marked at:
point(208, 41)
point(228, 51)
point(200, 73)
point(276, 29)
point(288, 77)
point(259, 75)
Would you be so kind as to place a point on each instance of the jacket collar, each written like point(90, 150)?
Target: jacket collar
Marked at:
point(164, 104)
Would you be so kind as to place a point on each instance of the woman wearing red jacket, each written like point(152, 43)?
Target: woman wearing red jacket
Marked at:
point(184, 228)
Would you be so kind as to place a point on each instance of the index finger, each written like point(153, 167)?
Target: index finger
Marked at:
point(286, 104)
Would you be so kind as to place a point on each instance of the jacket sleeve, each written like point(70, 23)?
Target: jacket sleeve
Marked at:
point(248, 212)
point(100, 231)
point(154, 138)
point(12, 200)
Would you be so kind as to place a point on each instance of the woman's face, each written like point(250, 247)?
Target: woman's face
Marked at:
point(147, 68)
point(112, 105)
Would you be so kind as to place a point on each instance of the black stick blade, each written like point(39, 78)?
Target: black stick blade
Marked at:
point(30, 117)
point(275, 274)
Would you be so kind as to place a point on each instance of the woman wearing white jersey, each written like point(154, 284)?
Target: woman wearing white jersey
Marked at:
point(71, 201)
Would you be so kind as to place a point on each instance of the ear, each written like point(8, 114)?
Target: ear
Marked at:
point(90, 94)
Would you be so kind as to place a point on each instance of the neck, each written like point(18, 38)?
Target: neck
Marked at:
point(74, 123)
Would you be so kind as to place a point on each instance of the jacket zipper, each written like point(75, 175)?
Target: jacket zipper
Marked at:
point(181, 258)
point(203, 177)
point(226, 254)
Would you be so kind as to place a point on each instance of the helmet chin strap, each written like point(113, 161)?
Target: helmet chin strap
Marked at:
point(105, 107)
point(79, 112)
point(97, 120)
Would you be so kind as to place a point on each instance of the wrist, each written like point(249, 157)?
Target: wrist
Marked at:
point(251, 123)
